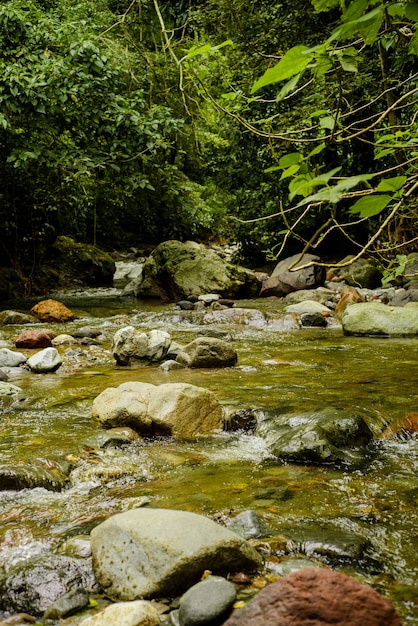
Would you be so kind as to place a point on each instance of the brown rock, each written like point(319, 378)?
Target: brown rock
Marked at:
point(349, 295)
point(33, 339)
point(316, 597)
point(52, 311)
point(284, 280)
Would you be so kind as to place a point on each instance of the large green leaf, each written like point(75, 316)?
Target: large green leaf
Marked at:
point(294, 61)
point(367, 26)
point(368, 206)
point(411, 11)
point(335, 193)
point(392, 184)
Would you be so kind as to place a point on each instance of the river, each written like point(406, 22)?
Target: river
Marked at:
point(223, 475)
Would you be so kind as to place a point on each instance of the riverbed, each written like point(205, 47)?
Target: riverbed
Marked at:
point(227, 473)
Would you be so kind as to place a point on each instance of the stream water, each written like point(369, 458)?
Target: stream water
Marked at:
point(223, 475)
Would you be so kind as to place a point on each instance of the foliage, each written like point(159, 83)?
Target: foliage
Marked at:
point(387, 123)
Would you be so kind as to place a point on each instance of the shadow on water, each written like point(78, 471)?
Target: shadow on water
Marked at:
point(374, 510)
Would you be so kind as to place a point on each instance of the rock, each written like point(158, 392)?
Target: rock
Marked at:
point(238, 317)
point(112, 438)
point(17, 476)
point(248, 525)
point(284, 281)
point(146, 553)
point(175, 270)
point(10, 358)
point(320, 294)
point(403, 296)
point(361, 273)
point(349, 296)
point(309, 320)
point(3, 375)
point(135, 613)
point(35, 584)
point(316, 597)
point(178, 409)
point(18, 619)
point(307, 306)
point(241, 420)
point(185, 305)
point(375, 318)
point(9, 392)
point(80, 263)
point(207, 352)
point(87, 331)
point(68, 604)
point(331, 543)
point(33, 339)
point(208, 602)
point(126, 272)
point(52, 311)
point(14, 317)
point(47, 360)
point(130, 345)
point(170, 365)
point(77, 546)
point(62, 339)
point(329, 436)
point(208, 298)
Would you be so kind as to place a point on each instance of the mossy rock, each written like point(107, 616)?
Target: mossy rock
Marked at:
point(79, 263)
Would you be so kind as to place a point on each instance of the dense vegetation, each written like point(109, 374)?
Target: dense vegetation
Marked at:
point(132, 121)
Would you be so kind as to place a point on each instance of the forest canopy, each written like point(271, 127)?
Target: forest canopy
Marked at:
point(277, 126)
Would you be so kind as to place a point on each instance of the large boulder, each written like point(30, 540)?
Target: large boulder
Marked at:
point(80, 263)
point(207, 352)
point(375, 318)
point(315, 597)
point(176, 270)
point(148, 553)
point(52, 311)
point(131, 345)
point(329, 436)
point(284, 280)
point(363, 273)
point(178, 409)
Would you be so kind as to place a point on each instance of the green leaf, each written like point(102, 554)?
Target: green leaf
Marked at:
point(368, 206)
point(367, 26)
point(336, 192)
point(327, 122)
point(411, 11)
point(290, 171)
point(392, 184)
point(294, 61)
point(355, 10)
point(288, 87)
point(325, 5)
point(317, 150)
point(290, 159)
point(194, 52)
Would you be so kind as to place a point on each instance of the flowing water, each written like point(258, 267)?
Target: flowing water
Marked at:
point(227, 473)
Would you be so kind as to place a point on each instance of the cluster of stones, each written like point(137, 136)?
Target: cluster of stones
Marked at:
point(146, 554)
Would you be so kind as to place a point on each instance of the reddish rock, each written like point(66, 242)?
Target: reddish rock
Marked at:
point(349, 295)
point(407, 426)
point(33, 339)
point(316, 597)
point(52, 311)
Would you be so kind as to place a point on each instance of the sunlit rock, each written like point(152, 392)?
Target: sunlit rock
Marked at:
point(375, 318)
point(207, 352)
point(11, 358)
point(52, 311)
point(47, 360)
point(130, 345)
point(284, 280)
point(135, 613)
point(148, 553)
point(178, 409)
